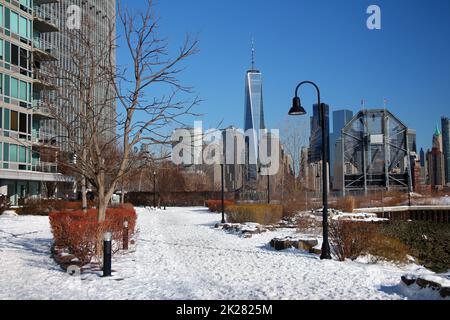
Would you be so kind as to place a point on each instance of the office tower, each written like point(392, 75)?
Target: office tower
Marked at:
point(340, 120)
point(422, 158)
point(315, 141)
point(412, 141)
point(254, 119)
point(435, 159)
point(446, 145)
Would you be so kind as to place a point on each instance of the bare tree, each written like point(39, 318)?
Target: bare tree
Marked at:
point(101, 136)
point(294, 136)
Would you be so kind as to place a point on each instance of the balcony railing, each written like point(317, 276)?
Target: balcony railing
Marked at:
point(45, 20)
point(45, 47)
point(45, 167)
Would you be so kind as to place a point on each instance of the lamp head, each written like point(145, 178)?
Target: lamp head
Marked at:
point(297, 109)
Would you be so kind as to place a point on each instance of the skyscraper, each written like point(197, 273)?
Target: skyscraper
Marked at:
point(436, 162)
point(446, 145)
point(340, 119)
point(315, 141)
point(254, 118)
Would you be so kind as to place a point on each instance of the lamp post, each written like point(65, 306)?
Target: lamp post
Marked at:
point(268, 189)
point(298, 110)
point(154, 189)
point(223, 191)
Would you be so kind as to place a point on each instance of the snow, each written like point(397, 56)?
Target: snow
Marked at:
point(180, 255)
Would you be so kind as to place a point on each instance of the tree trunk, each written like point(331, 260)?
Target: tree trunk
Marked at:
point(102, 204)
point(84, 194)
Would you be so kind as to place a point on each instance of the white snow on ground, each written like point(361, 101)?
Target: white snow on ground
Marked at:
point(181, 256)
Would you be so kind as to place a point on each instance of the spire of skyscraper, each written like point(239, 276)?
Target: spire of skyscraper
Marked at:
point(253, 54)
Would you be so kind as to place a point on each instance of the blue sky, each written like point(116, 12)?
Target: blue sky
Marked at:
point(407, 62)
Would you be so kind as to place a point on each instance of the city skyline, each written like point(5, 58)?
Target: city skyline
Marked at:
point(403, 63)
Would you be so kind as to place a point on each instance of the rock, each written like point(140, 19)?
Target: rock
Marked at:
point(306, 245)
point(409, 281)
point(428, 284)
point(315, 251)
point(280, 244)
point(248, 235)
point(445, 292)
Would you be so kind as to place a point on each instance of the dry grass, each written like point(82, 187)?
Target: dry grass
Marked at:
point(262, 214)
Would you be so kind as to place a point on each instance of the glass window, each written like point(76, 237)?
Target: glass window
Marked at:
point(23, 27)
point(23, 91)
point(22, 154)
point(1, 151)
point(12, 153)
point(1, 16)
point(14, 121)
point(1, 49)
point(14, 22)
point(1, 83)
point(14, 88)
point(7, 51)
point(7, 18)
point(14, 54)
point(6, 117)
point(7, 85)
point(23, 123)
point(6, 152)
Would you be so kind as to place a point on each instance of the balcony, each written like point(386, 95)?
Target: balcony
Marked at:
point(43, 80)
point(43, 141)
point(42, 110)
point(44, 51)
point(44, 21)
point(45, 167)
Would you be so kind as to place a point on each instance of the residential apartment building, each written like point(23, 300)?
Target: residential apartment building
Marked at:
point(32, 37)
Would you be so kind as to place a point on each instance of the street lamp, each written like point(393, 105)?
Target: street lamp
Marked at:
point(298, 110)
point(223, 191)
point(154, 189)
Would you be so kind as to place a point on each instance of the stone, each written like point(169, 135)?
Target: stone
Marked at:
point(306, 245)
point(315, 251)
point(280, 244)
point(408, 281)
point(428, 284)
point(445, 292)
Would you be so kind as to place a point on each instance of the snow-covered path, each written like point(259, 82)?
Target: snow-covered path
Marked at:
point(181, 256)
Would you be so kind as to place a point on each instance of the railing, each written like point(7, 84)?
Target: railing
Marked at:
point(45, 15)
point(41, 106)
point(45, 167)
point(44, 77)
point(45, 46)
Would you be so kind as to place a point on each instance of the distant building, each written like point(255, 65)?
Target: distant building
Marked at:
point(446, 147)
point(254, 119)
point(435, 159)
point(340, 120)
point(315, 141)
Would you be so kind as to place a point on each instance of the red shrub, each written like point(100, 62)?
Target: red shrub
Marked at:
point(82, 235)
point(216, 205)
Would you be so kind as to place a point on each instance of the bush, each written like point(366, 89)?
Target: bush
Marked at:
point(351, 240)
point(429, 242)
point(4, 204)
point(347, 204)
point(81, 234)
point(306, 223)
point(262, 214)
point(216, 205)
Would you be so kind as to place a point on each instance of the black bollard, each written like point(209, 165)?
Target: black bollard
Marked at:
point(125, 235)
point(107, 248)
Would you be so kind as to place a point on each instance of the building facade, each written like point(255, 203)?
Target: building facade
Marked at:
point(254, 120)
point(33, 37)
point(435, 160)
point(340, 119)
point(446, 147)
point(26, 165)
